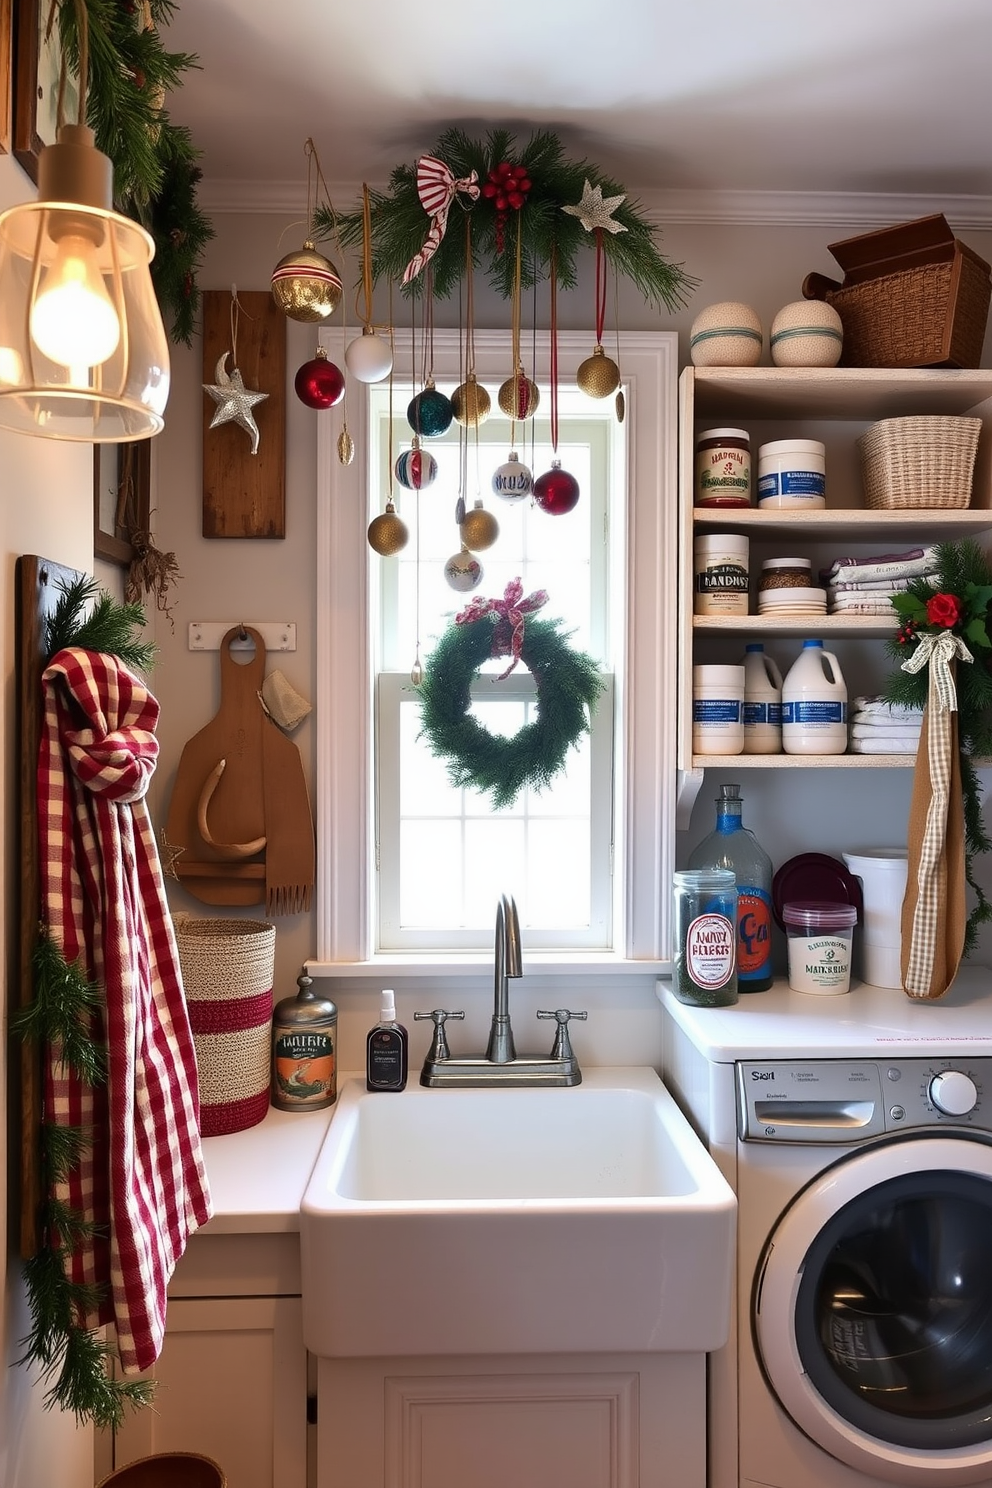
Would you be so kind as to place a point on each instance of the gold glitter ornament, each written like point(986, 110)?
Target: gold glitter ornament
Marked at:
point(387, 533)
point(305, 285)
point(621, 406)
point(479, 529)
point(346, 447)
point(470, 402)
point(518, 397)
point(598, 375)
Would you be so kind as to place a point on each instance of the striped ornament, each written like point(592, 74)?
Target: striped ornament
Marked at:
point(416, 469)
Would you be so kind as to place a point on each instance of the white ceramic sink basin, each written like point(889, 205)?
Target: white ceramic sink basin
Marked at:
point(515, 1221)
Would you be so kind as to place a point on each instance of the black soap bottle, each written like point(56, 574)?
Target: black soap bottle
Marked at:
point(386, 1049)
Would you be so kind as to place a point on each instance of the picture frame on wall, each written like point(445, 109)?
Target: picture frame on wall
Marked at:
point(37, 63)
point(121, 498)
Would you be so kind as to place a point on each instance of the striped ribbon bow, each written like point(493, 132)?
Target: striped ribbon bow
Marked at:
point(437, 187)
point(510, 612)
point(939, 648)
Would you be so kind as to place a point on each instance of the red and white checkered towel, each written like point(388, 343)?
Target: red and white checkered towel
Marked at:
point(104, 904)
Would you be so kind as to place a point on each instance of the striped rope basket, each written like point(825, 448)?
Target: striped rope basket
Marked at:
point(228, 968)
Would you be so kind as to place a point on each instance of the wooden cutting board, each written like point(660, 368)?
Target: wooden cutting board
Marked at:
point(239, 808)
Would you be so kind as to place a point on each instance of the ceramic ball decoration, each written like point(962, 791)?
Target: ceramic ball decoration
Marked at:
point(807, 333)
point(368, 358)
point(727, 334)
point(463, 571)
point(416, 468)
point(512, 480)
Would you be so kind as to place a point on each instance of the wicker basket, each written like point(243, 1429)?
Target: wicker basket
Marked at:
point(228, 969)
point(168, 1470)
point(923, 463)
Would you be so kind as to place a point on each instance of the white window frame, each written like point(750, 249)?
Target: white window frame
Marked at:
point(645, 694)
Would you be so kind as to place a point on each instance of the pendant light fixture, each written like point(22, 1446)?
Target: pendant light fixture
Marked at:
point(83, 351)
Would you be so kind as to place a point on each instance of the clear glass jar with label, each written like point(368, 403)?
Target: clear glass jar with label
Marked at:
point(705, 937)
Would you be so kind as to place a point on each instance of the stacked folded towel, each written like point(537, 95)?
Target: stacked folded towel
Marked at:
point(878, 727)
point(865, 586)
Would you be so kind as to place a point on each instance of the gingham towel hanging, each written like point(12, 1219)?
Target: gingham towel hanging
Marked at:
point(103, 901)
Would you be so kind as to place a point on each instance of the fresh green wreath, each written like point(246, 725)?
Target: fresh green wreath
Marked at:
point(568, 685)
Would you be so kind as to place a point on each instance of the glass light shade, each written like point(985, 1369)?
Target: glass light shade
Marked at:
point(58, 378)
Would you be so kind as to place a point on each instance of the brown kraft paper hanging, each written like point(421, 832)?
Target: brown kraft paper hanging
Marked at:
point(941, 918)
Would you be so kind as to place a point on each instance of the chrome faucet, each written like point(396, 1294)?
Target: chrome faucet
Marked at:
point(508, 964)
point(501, 1065)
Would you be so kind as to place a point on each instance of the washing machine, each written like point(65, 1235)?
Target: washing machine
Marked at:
point(856, 1132)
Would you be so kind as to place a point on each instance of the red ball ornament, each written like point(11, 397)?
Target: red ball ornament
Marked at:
point(556, 492)
point(319, 383)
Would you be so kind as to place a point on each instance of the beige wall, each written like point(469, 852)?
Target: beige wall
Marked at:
point(45, 508)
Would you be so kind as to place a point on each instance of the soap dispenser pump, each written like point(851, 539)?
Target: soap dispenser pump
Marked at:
point(386, 1049)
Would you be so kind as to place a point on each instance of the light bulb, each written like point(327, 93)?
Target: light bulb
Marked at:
point(73, 320)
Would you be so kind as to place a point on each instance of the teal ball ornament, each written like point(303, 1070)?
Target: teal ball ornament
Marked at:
point(430, 413)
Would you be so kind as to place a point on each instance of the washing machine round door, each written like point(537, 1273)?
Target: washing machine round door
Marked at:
point(873, 1310)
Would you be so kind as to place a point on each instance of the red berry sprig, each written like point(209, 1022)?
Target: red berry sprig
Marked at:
point(906, 633)
point(506, 187)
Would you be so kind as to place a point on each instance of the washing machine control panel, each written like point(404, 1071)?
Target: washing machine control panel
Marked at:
point(845, 1101)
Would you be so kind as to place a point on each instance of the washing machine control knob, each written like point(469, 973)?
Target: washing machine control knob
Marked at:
point(953, 1093)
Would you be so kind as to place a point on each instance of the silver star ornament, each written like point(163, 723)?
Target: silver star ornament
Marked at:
point(234, 401)
point(595, 210)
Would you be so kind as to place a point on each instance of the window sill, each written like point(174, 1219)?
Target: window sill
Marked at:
point(480, 963)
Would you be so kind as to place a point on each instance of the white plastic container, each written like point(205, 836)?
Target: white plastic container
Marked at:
point(820, 938)
point(814, 703)
point(762, 702)
point(792, 473)
point(717, 710)
point(721, 574)
point(883, 874)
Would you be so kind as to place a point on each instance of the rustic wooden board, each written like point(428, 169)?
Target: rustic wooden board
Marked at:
point(244, 495)
point(38, 590)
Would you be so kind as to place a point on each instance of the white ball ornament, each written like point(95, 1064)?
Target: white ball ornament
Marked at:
point(512, 481)
point(463, 571)
point(727, 334)
point(807, 333)
point(368, 358)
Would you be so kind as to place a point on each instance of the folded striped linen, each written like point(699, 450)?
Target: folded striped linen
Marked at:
point(873, 729)
point(870, 586)
point(863, 604)
point(885, 744)
point(913, 564)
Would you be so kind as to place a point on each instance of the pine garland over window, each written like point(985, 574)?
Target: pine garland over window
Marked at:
point(155, 161)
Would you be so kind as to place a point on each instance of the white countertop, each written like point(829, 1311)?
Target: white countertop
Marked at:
point(257, 1177)
point(867, 1020)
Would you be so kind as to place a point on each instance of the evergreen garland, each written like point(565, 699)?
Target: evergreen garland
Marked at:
point(72, 1359)
point(962, 574)
point(568, 684)
point(548, 234)
point(155, 161)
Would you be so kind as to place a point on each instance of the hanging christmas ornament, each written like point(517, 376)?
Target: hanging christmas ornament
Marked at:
point(518, 397)
point(470, 403)
point(369, 358)
point(595, 211)
point(387, 533)
point(346, 447)
point(429, 414)
point(305, 285)
point(416, 468)
point(234, 401)
point(598, 375)
point(512, 480)
point(621, 406)
point(556, 492)
point(462, 571)
point(478, 528)
point(319, 383)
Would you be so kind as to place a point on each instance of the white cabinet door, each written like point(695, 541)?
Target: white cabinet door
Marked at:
point(231, 1384)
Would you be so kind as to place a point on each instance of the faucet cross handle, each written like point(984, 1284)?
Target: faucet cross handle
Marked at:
point(439, 1044)
point(562, 1048)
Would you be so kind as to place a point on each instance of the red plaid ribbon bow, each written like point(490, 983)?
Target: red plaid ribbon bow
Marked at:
point(508, 632)
point(436, 187)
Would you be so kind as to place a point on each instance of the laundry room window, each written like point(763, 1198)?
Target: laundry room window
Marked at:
point(407, 863)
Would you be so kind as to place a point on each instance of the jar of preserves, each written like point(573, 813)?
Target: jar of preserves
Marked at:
point(723, 468)
point(705, 937)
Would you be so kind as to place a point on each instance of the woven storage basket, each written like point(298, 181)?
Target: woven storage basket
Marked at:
point(167, 1470)
point(228, 969)
point(924, 462)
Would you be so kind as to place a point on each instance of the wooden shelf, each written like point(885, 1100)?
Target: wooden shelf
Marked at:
point(854, 524)
point(803, 761)
point(854, 393)
point(858, 627)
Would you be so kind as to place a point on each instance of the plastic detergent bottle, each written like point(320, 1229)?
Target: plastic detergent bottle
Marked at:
point(814, 703)
point(731, 845)
point(762, 702)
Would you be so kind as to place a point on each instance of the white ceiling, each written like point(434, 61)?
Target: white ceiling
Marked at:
point(849, 97)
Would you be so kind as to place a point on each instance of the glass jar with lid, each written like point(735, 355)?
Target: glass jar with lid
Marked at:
point(705, 937)
point(786, 573)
